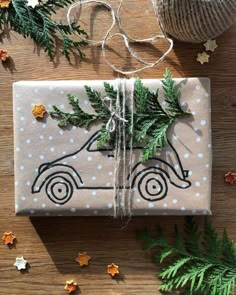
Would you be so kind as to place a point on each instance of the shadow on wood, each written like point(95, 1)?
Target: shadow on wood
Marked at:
point(103, 239)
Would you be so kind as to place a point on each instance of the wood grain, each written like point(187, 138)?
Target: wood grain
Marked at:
point(51, 244)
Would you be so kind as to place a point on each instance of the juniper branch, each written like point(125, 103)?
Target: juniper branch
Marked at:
point(39, 26)
point(190, 265)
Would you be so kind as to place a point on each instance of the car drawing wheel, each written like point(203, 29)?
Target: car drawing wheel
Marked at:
point(59, 189)
point(152, 185)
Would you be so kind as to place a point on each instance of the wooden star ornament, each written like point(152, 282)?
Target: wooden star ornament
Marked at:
point(112, 269)
point(20, 263)
point(5, 3)
point(83, 259)
point(71, 286)
point(203, 57)
point(3, 55)
point(210, 45)
point(39, 110)
point(230, 177)
point(8, 238)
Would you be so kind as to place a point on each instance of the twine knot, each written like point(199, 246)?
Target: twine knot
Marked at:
point(111, 124)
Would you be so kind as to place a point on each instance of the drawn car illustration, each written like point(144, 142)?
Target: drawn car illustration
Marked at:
point(151, 180)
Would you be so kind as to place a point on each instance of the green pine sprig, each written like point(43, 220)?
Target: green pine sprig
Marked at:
point(151, 120)
point(77, 117)
point(80, 118)
point(37, 23)
point(172, 93)
point(196, 263)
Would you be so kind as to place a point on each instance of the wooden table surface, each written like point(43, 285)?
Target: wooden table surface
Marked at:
point(51, 244)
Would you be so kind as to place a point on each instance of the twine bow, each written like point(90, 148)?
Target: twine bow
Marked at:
point(111, 124)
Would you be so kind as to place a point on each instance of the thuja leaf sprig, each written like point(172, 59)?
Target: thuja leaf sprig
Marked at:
point(193, 266)
point(37, 23)
point(151, 121)
point(77, 117)
point(172, 93)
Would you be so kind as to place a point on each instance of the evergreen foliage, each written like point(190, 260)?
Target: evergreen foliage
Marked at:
point(151, 120)
point(196, 263)
point(37, 23)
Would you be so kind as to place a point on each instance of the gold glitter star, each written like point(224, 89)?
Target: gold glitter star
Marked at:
point(4, 3)
point(3, 55)
point(39, 110)
point(83, 259)
point(113, 269)
point(230, 177)
point(8, 238)
point(203, 57)
point(210, 45)
point(71, 286)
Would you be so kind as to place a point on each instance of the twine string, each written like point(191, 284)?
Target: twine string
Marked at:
point(126, 38)
point(117, 121)
point(129, 199)
point(122, 200)
point(111, 124)
point(123, 172)
point(116, 157)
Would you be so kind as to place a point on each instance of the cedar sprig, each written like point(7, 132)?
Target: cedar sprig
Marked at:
point(196, 263)
point(38, 24)
point(172, 93)
point(151, 120)
point(77, 117)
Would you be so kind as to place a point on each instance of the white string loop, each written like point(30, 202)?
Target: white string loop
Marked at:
point(111, 124)
point(78, 4)
point(127, 39)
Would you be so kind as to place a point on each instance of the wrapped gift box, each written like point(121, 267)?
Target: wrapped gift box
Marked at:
point(80, 177)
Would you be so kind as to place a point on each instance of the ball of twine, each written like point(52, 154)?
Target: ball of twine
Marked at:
point(196, 20)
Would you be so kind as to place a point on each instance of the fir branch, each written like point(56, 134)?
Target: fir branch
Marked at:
point(141, 97)
point(96, 102)
point(110, 91)
point(80, 118)
point(50, 6)
point(76, 118)
point(104, 137)
point(190, 265)
point(158, 139)
point(172, 95)
point(2, 19)
point(151, 120)
point(37, 24)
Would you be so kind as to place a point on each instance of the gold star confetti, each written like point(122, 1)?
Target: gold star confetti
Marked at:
point(113, 269)
point(203, 57)
point(4, 3)
point(210, 45)
point(83, 259)
point(39, 110)
point(8, 238)
point(3, 55)
point(20, 263)
point(71, 286)
point(230, 177)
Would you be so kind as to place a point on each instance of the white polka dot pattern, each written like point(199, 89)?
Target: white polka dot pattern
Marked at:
point(39, 142)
